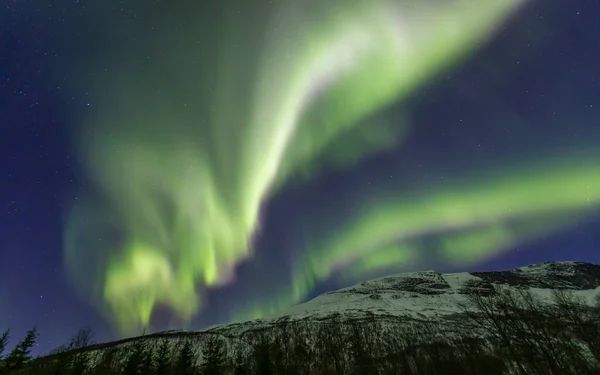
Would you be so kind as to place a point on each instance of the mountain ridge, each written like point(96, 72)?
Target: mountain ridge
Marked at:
point(387, 315)
point(580, 277)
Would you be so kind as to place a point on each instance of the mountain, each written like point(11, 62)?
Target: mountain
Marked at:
point(428, 295)
point(431, 294)
point(373, 321)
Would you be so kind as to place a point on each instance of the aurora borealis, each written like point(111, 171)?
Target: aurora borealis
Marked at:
point(237, 159)
point(187, 191)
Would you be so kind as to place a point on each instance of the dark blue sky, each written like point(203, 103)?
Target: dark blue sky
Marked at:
point(545, 66)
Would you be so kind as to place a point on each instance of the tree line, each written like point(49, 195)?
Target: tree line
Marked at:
point(498, 331)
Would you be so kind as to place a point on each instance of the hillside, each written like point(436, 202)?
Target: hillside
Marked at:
point(372, 326)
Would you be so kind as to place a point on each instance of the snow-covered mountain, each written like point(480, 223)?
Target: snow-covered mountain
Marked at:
point(430, 294)
point(385, 314)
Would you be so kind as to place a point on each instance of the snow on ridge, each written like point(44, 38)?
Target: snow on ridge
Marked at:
point(425, 303)
point(566, 268)
point(408, 297)
point(418, 295)
point(427, 294)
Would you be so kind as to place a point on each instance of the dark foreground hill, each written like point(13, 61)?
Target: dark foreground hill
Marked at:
point(539, 319)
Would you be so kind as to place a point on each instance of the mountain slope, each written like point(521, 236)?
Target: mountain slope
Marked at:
point(433, 294)
point(373, 319)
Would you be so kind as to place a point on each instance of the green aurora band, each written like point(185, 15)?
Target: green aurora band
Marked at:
point(185, 188)
point(468, 220)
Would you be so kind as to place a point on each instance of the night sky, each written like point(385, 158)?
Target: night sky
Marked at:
point(178, 165)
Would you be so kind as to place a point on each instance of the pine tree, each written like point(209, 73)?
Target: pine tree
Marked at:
point(79, 364)
point(214, 355)
point(185, 361)
point(147, 365)
point(106, 365)
point(135, 359)
point(21, 354)
point(163, 358)
point(3, 343)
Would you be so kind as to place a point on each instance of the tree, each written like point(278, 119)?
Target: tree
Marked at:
point(240, 365)
point(331, 346)
point(363, 360)
point(185, 361)
point(83, 338)
point(133, 364)
point(21, 354)
point(534, 336)
point(302, 352)
point(163, 358)
point(263, 358)
point(59, 363)
point(71, 363)
point(485, 313)
point(214, 357)
point(147, 365)
point(79, 364)
point(107, 362)
point(580, 319)
point(3, 344)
